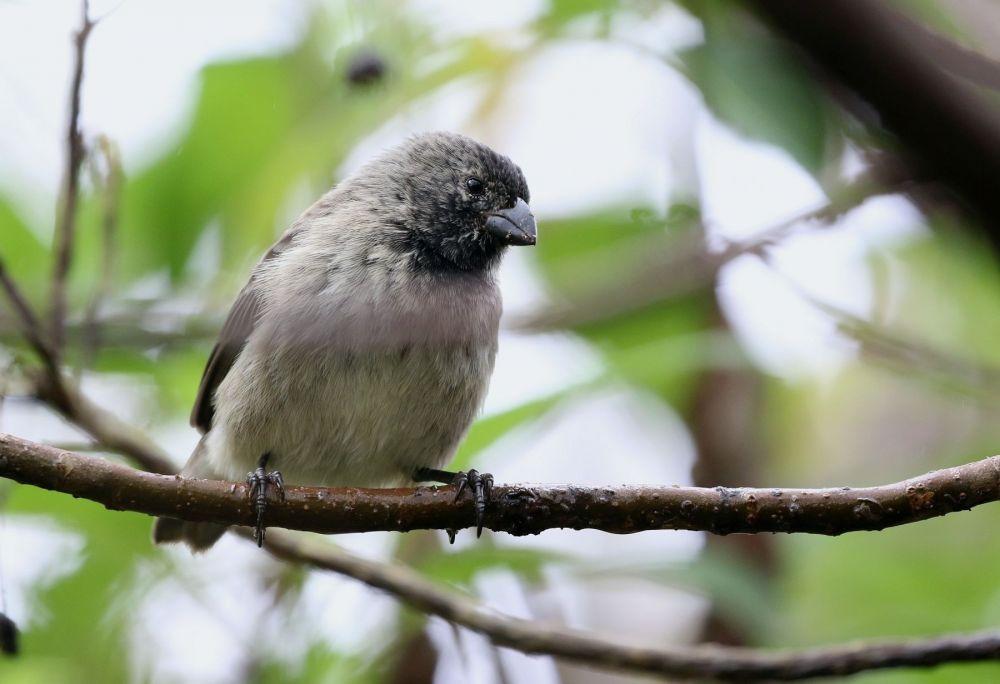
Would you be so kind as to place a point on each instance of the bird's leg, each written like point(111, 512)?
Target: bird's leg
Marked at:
point(258, 480)
point(480, 484)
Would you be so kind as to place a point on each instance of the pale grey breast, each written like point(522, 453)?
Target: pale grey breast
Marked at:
point(367, 379)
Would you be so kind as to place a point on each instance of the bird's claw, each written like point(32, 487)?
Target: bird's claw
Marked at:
point(259, 480)
point(481, 486)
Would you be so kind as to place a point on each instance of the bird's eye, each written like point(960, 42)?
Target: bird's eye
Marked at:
point(475, 186)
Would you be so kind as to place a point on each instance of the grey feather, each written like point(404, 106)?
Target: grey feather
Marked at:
point(235, 332)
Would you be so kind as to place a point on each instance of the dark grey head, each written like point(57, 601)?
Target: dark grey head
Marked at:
point(452, 203)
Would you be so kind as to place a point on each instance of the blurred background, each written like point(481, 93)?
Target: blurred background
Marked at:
point(741, 279)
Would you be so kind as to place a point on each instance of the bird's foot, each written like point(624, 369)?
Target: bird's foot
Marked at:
point(259, 479)
point(480, 484)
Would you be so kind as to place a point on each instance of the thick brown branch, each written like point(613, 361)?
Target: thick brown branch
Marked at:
point(517, 509)
point(66, 224)
point(953, 56)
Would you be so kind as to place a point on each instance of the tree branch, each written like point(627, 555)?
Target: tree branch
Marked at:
point(52, 387)
point(66, 224)
point(108, 430)
point(705, 661)
point(27, 321)
point(942, 123)
point(517, 509)
point(121, 487)
point(688, 265)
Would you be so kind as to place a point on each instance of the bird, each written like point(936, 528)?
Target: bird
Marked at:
point(361, 348)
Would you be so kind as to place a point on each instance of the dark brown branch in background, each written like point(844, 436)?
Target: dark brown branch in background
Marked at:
point(121, 487)
point(724, 415)
point(517, 509)
point(66, 221)
point(948, 128)
point(952, 56)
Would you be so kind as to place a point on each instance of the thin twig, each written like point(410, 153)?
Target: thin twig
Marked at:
point(109, 431)
point(687, 265)
point(906, 356)
point(109, 180)
point(132, 325)
point(28, 322)
point(66, 223)
point(701, 662)
point(516, 509)
point(52, 387)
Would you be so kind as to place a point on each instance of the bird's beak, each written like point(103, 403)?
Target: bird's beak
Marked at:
point(514, 226)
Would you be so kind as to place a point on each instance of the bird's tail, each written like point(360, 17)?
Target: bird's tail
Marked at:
point(199, 536)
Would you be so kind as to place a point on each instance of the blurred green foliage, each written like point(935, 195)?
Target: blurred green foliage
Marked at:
point(264, 126)
point(750, 82)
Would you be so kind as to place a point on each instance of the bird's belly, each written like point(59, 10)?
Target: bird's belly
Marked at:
point(350, 418)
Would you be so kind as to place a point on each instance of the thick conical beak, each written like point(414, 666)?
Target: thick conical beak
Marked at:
point(514, 226)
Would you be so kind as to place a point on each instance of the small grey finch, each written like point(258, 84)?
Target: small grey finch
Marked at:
point(361, 348)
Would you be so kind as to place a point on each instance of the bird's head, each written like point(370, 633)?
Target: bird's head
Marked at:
point(453, 203)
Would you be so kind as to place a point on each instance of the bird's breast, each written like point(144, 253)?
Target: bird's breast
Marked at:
point(359, 390)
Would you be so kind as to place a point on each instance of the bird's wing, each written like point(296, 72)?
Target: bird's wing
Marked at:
point(234, 335)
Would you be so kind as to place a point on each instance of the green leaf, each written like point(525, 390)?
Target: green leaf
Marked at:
point(564, 12)
point(82, 619)
point(591, 252)
point(758, 86)
point(486, 431)
point(25, 257)
point(321, 664)
point(243, 111)
point(665, 343)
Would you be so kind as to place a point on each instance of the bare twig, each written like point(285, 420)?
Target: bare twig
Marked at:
point(66, 223)
point(121, 487)
point(111, 433)
point(53, 388)
point(109, 180)
point(28, 322)
point(517, 509)
point(701, 662)
point(133, 326)
point(687, 266)
point(906, 356)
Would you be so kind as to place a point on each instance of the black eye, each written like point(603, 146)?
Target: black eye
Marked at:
point(475, 186)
